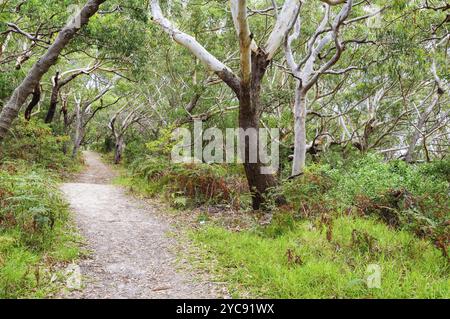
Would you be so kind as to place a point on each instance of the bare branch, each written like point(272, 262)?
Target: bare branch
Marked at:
point(285, 21)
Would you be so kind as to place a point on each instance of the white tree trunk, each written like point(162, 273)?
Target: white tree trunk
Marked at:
point(300, 146)
point(410, 154)
point(78, 135)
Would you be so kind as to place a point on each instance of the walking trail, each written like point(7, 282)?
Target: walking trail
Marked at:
point(131, 253)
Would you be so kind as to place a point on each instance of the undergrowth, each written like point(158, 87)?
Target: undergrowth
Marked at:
point(340, 220)
point(36, 234)
point(302, 261)
point(186, 185)
point(403, 196)
point(35, 231)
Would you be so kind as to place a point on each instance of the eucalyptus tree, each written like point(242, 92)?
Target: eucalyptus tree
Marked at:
point(121, 121)
point(61, 80)
point(85, 110)
point(11, 109)
point(307, 76)
point(254, 61)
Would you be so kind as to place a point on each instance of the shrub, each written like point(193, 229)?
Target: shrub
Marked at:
point(30, 202)
point(34, 142)
point(34, 230)
point(404, 196)
point(198, 183)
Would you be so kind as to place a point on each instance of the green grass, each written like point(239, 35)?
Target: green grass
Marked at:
point(138, 185)
point(256, 261)
point(36, 233)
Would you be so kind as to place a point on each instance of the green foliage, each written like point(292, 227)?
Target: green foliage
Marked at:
point(34, 232)
point(188, 184)
point(404, 196)
point(302, 263)
point(35, 143)
point(162, 146)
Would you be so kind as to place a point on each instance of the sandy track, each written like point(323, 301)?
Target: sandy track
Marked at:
point(131, 252)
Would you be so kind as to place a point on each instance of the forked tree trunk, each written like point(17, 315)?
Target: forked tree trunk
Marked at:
point(11, 109)
point(254, 62)
point(410, 155)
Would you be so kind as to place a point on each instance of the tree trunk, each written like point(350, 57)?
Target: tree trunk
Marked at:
point(119, 147)
point(11, 109)
point(34, 101)
point(53, 100)
point(298, 164)
point(79, 128)
point(410, 154)
point(66, 124)
point(249, 116)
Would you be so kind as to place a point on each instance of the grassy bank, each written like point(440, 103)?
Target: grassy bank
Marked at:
point(36, 237)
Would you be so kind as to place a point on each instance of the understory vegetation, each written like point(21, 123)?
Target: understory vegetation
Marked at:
point(341, 216)
point(36, 234)
point(300, 260)
point(355, 96)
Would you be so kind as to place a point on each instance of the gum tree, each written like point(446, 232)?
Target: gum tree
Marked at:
point(254, 61)
point(11, 109)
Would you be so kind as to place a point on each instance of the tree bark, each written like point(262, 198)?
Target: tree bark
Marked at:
point(119, 147)
point(53, 100)
point(11, 109)
point(66, 122)
point(79, 129)
point(300, 148)
point(249, 118)
point(34, 101)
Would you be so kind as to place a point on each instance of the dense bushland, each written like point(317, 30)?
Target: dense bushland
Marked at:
point(358, 91)
point(35, 143)
point(36, 235)
point(413, 197)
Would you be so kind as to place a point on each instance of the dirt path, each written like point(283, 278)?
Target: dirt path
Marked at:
point(131, 253)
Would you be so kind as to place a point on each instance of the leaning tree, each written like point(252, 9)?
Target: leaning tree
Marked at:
point(11, 109)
